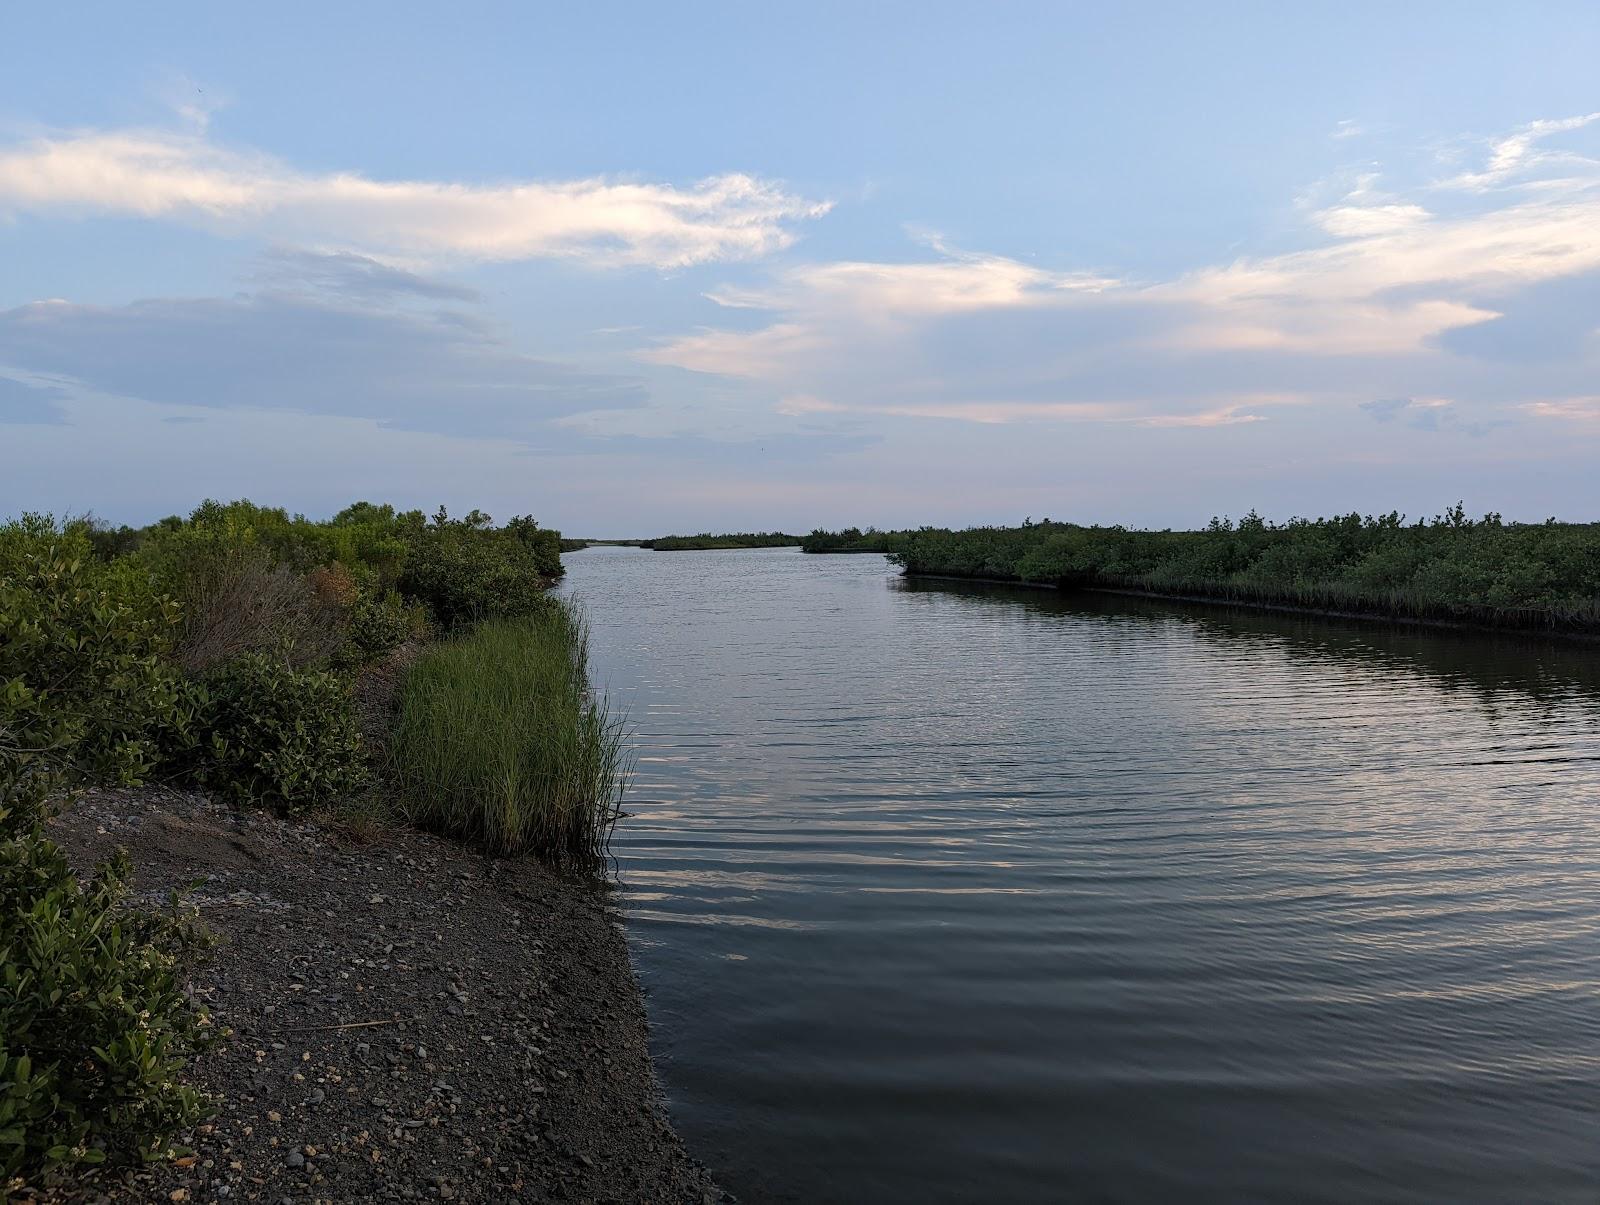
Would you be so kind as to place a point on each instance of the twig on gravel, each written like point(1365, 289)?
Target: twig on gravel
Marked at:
point(351, 1025)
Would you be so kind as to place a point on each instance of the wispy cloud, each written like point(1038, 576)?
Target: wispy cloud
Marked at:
point(1222, 416)
point(1397, 277)
point(972, 412)
point(193, 179)
point(1515, 157)
point(346, 274)
point(1358, 221)
point(1428, 414)
point(1002, 412)
point(958, 282)
point(1388, 291)
point(194, 102)
point(1576, 409)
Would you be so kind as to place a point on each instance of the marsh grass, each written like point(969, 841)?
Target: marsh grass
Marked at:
point(501, 741)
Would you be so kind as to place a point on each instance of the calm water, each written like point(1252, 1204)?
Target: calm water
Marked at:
point(964, 894)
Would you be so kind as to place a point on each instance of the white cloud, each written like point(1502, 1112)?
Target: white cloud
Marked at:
point(991, 339)
point(1398, 277)
point(994, 413)
point(764, 354)
point(972, 412)
point(1516, 156)
point(1222, 416)
point(958, 283)
point(189, 178)
point(1576, 409)
point(1357, 221)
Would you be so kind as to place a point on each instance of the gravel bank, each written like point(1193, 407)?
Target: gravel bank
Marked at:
point(411, 1020)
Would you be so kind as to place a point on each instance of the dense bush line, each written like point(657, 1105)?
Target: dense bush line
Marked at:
point(94, 1022)
point(705, 540)
point(850, 539)
point(465, 569)
point(1450, 568)
point(217, 649)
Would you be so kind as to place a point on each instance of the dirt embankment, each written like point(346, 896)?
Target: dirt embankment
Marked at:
point(411, 1020)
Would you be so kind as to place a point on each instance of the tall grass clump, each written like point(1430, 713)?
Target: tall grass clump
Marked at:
point(501, 741)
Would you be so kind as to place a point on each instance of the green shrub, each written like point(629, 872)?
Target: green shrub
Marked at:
point(85, 692)
point(1487, 571)
point(380, 623)
point(706, 540)
point(500, 740)
point(369, 541)
point(850, 539)
point(83, 683)
point(213, 562)
point(465, 570)
point(270, 733)
point(95, 1025)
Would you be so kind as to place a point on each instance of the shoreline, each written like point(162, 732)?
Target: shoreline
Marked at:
point(1457, 625)
point(379, 1049)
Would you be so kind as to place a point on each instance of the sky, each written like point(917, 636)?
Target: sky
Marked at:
point(646, 268)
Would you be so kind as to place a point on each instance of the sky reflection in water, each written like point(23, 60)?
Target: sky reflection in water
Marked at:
point(957, 894)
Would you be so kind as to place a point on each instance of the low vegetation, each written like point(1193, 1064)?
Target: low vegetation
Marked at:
point(746, 539)
point(501, 741)
point(94, 1023)
point(466, 569)
point(850, 539)
point(267, 732)
point(1448, 568)
point(222, 649)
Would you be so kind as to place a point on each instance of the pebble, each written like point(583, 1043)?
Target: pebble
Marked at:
point(446, 1108)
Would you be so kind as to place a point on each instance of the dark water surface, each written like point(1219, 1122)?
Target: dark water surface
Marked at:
point(965, 894)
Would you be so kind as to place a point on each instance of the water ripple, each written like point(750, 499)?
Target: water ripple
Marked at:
point(967, 894)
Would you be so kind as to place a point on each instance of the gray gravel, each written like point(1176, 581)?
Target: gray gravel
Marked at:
point(411, 1020)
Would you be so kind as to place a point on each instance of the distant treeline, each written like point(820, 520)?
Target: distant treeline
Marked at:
point(851, 539)
point(1448, 568)
point(705, 540)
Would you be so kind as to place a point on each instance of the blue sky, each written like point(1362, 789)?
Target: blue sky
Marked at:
point(640, 268)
